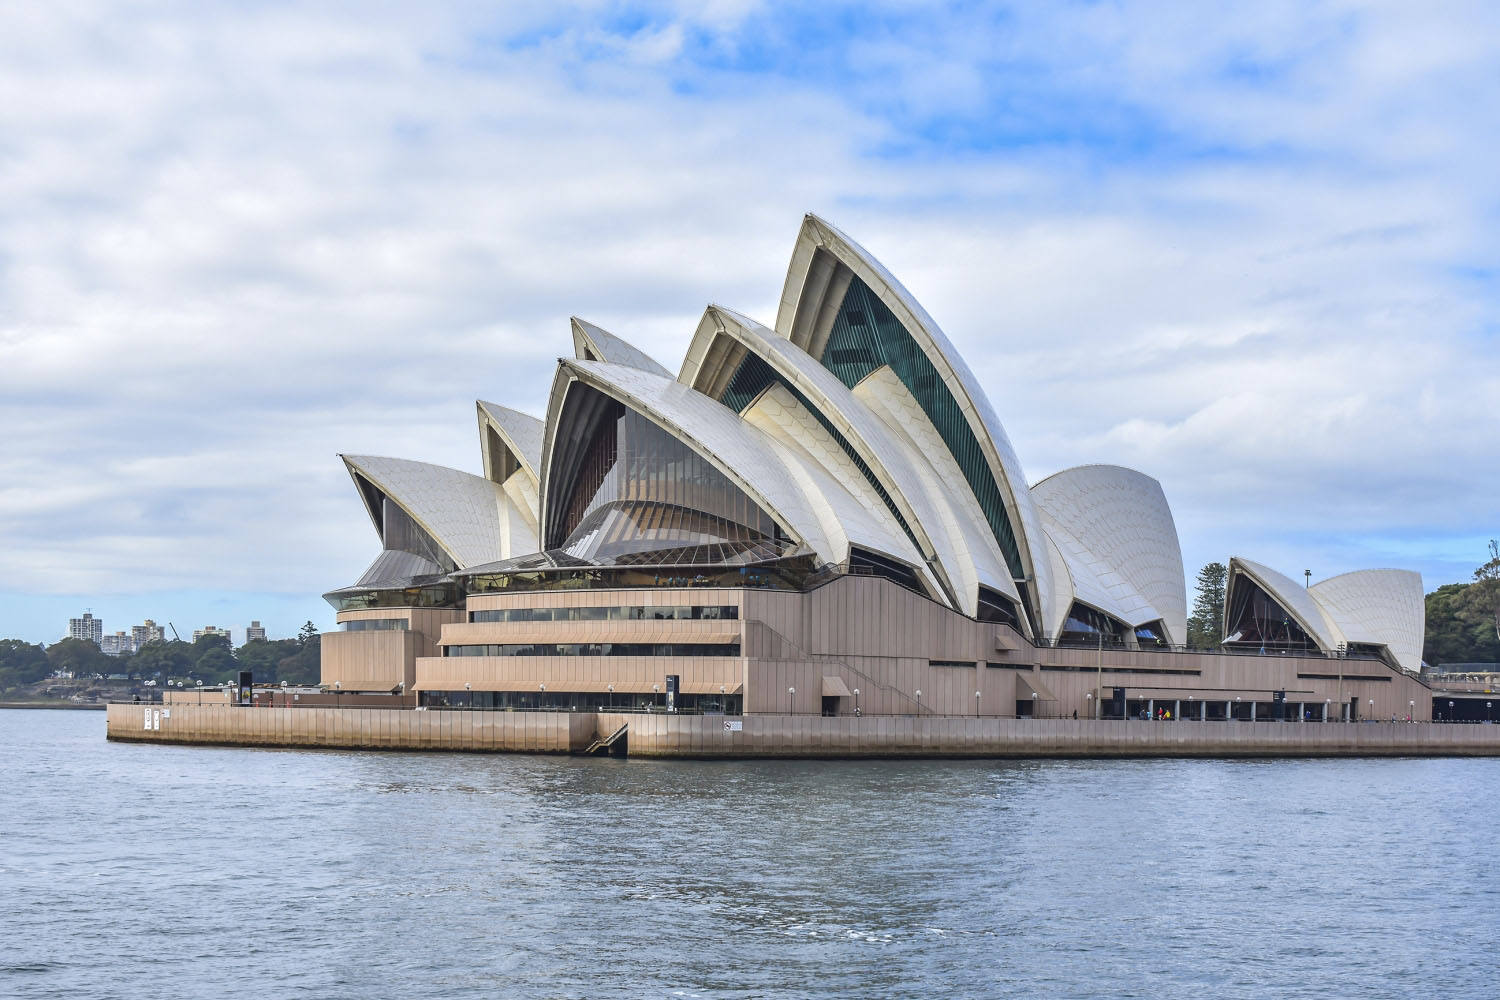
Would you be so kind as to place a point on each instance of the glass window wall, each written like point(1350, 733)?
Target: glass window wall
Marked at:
point(595, 649)
point(713, 612)
point(377, 625)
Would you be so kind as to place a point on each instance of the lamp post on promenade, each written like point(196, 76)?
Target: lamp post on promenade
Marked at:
point(1411, 711)
point(338, 691)
point(200, 692)
point(1372, 709)
point(611, 695)
point(469, 695)
point(1088, 700)
point(1487, 711)
point(790, 692)
point(856, 703)
point(1236, 708)
point(919, 702)
point(977, 696)
point(1033, 705)
point(1191, 699)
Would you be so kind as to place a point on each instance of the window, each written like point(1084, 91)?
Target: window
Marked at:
point(637, 612)
point(596, 649)
point(378, 625)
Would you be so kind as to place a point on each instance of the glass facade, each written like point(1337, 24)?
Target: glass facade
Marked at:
point(1087, 627)
point(794, 573)
point(636, 495)
point(377, 625)
point(628, 613)
point(596, 649)
point(583, 701)
point(436, 595)
point(1259, 621)
point(866, 336)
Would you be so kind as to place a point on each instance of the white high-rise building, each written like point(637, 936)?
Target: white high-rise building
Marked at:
point(254, 631)
point(212, 630)
point(88, 628)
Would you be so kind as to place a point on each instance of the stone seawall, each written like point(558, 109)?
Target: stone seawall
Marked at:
point(783, 735)
point(352, 728)
point(814, 736)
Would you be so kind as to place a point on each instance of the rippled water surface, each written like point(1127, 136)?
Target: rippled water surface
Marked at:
point(138, 871)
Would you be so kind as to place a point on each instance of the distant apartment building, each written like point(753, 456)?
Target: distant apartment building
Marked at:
point(254, 631)
point(212, 630)
point(88, 628)
point(117, 645)
point(149, 631)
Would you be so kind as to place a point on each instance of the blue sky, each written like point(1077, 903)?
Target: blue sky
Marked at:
point(1250, 252)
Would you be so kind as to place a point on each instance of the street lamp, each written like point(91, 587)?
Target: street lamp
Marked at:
point(1487, 711)
point(1191, 699)
point(1089, 702)
point(1450, 711)
point(919, 701)
point(1372, 709)
point(856, 703)
point(789, 693)
point(1236, 708)
point(611, 688)
point(469, 694)
point(976, 704)
point(338, 690)
point(1033, 704)
point(1326, 703)
point(1411, 711)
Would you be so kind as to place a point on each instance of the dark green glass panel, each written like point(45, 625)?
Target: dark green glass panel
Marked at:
point(866, 335)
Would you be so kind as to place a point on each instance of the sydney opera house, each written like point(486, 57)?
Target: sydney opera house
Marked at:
point(822, 517)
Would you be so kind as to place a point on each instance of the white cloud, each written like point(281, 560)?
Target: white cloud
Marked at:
point(1251, 254)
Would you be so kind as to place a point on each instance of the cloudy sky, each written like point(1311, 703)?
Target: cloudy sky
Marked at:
point(1254, 254)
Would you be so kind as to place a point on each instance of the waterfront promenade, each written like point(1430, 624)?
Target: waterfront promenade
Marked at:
point(660, 735)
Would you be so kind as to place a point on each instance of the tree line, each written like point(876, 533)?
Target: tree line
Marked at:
point(209, 659)
point(1463, 619)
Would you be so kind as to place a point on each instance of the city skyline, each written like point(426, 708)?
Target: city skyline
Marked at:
point(1249, 251)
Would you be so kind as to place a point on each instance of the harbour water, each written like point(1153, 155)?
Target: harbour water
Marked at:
point(160, 871)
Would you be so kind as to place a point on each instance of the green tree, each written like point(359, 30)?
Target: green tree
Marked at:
point(1205, 625)
point(22, 663)
point(1453, 634)
point(216, 665)
point(173, 658)
point(307, 633)
point(305, 666)
point(262, 657)
point(1481, 602)
point(80, 657)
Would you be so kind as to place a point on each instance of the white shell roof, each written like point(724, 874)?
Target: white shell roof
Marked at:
point(589, 339)
point(462, 513)
point(1378, 606)
point(1292, 596)
point(901, 469)
point(851, 512)
point(973, 556)
point(1114, 528)
point(521, 432)
point(742, 452)
point(1001, 456)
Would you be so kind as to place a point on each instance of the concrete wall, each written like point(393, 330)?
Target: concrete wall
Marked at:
point(815, 736)
point(380, 660)
point(353, 728)
point(784, 735)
